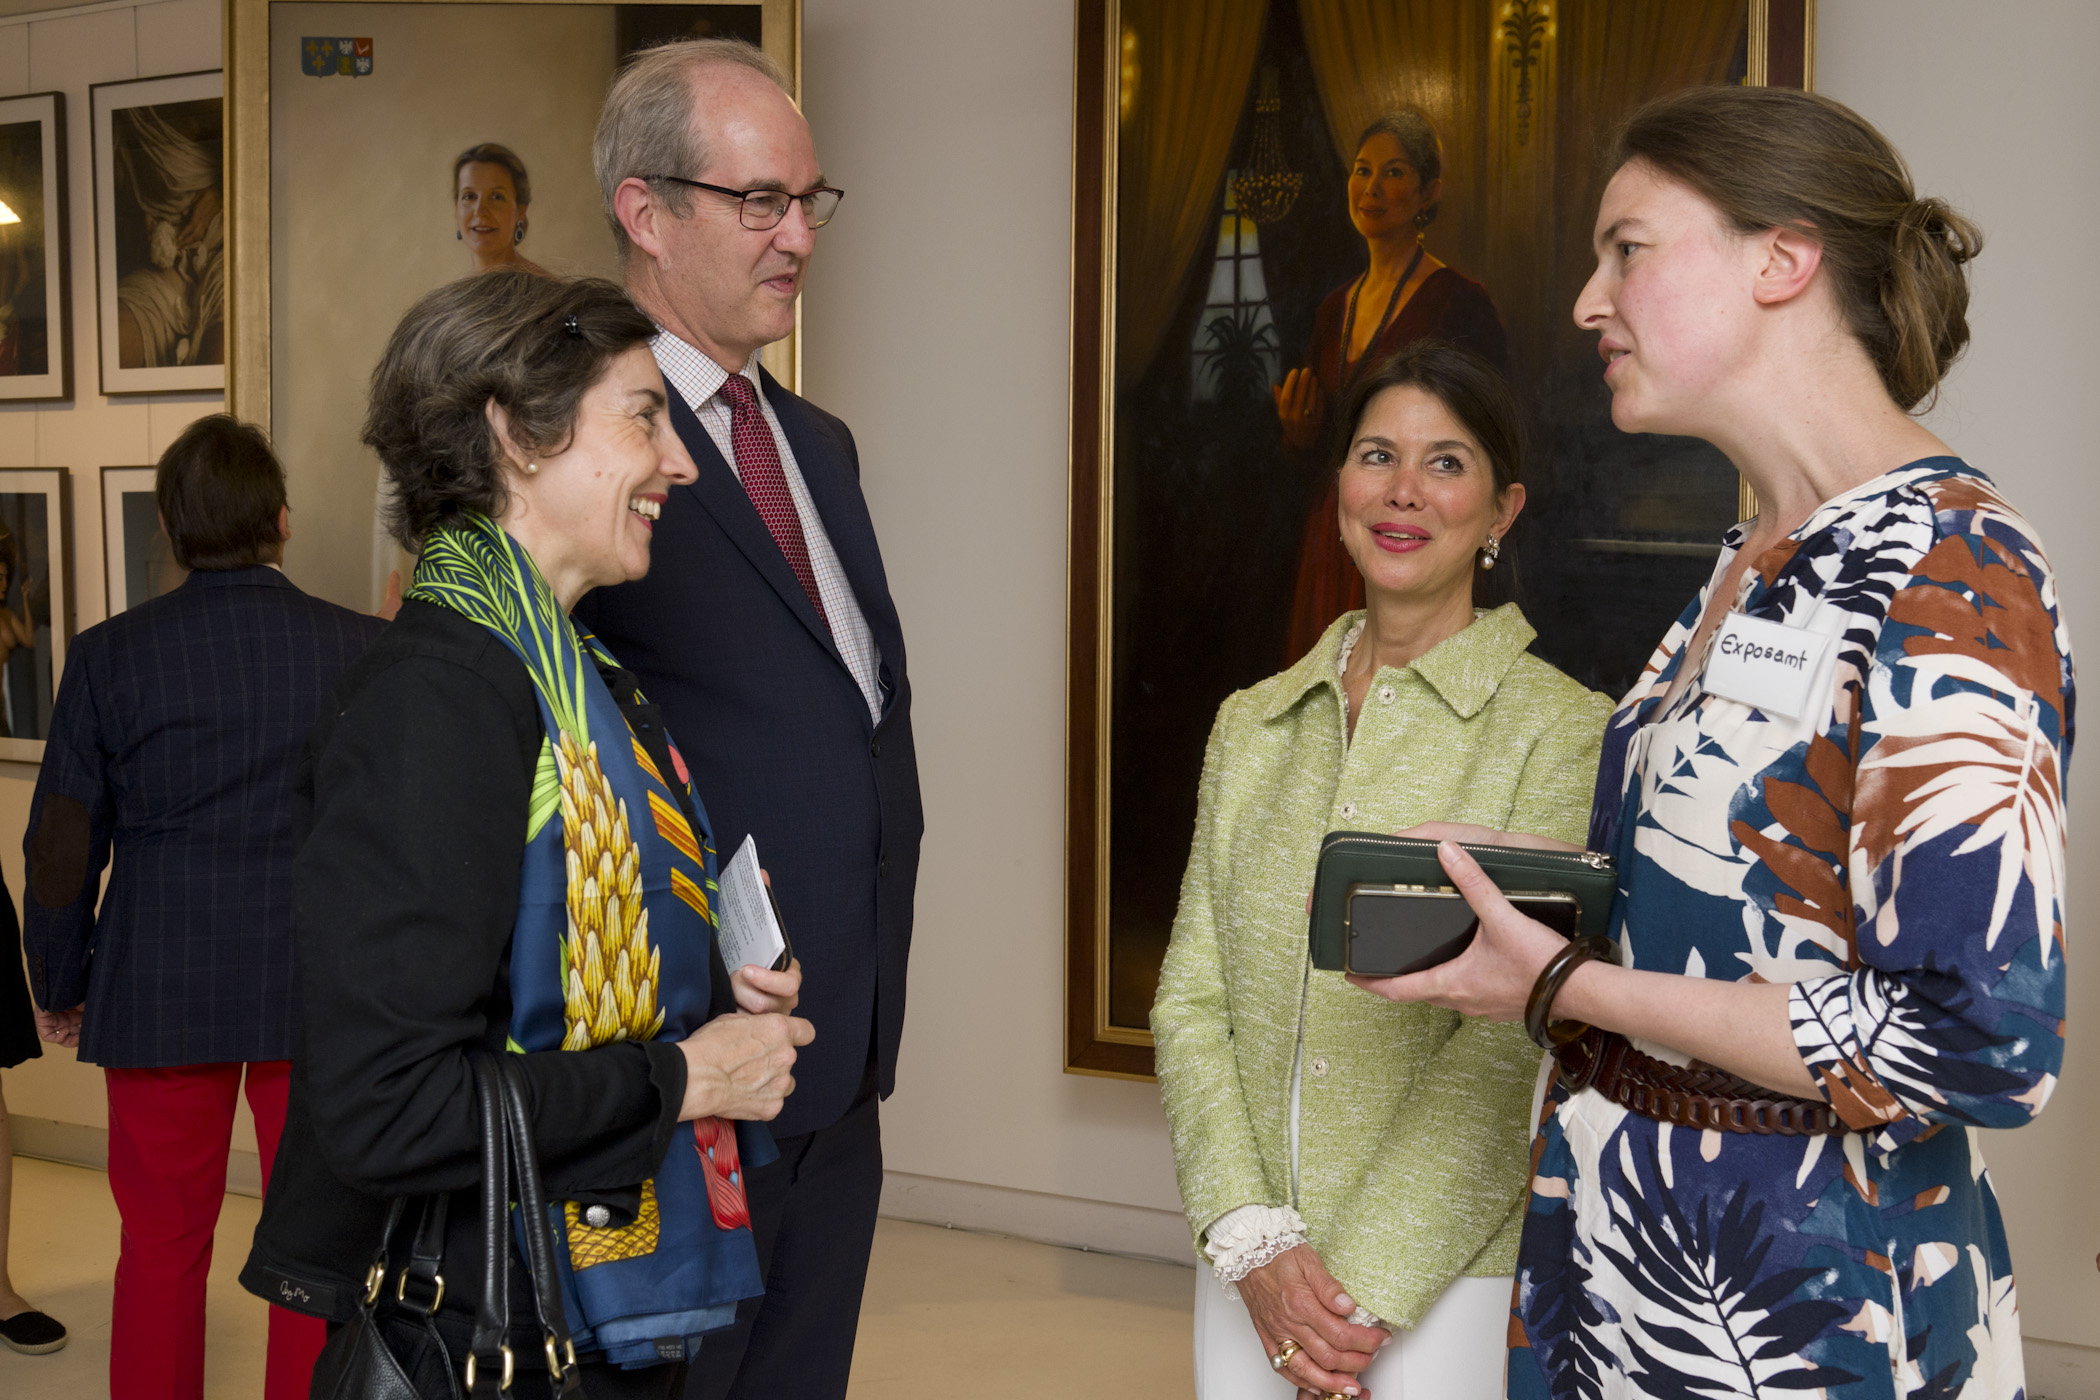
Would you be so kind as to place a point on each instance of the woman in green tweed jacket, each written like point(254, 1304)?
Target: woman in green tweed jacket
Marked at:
point(1353, 1170)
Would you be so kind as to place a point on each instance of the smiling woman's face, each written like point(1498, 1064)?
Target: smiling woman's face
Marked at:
point(588, 512)
point(1418, 499)
point(486, 202)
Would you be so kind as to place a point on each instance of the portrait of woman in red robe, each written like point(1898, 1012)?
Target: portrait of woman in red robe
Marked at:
point(1405, 294)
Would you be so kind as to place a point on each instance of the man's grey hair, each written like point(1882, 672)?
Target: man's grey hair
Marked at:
point(647, 127)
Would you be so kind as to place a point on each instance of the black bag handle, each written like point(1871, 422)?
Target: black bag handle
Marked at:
point(539, 1240)
point(491, 1344)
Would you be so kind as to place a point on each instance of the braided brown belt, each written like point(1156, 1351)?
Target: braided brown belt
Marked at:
point(1691, 1098)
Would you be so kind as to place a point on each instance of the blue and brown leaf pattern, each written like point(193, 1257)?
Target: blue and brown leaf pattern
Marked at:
point(1897, 857)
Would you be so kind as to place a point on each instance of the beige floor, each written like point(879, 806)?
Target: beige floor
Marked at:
point(948, 1313)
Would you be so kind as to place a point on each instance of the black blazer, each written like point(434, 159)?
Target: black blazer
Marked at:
point(411, 806)
point(779, 738)
point(174, 741)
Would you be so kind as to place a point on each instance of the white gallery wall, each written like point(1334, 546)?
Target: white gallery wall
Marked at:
point(938, 327)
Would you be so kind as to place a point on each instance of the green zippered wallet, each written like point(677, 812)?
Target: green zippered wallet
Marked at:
point(1382, 905)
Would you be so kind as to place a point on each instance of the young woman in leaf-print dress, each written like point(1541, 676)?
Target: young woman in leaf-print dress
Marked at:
point(1861, 906)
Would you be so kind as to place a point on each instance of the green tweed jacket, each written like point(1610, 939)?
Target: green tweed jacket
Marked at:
point(1413, 1138)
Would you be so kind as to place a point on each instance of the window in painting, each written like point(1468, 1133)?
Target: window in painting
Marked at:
point(1235, 354)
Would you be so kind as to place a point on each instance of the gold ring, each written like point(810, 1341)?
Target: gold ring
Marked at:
point(1284, 1352)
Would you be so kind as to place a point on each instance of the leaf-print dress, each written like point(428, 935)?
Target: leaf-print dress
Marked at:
point(1897, 855)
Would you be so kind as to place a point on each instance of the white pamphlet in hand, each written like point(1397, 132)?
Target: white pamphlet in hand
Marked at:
point(749, 932)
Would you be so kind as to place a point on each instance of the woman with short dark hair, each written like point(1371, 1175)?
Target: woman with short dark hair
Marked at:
point(1354, 1177)
point(1836, 797)
point(173, 745)
point(503, 851)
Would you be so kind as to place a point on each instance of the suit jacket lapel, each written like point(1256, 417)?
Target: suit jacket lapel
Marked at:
point(723, 496)
point(836, 493)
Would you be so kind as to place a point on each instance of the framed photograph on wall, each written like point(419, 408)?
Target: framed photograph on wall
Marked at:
point(464, 129)
point(36, 360)
point(1229, 162)
point(137, 561)
point(36, 603)
point(160, 232)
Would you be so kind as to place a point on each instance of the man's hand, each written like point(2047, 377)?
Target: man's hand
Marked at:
point(1293, 1296)
point(60, 1027)
point(760, 990)
point(742, 1066)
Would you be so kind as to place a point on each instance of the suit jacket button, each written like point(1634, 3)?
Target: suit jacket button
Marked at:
point(875, 748)
point(882, 870)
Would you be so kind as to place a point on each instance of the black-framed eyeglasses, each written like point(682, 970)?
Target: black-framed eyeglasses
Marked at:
point(764, 209)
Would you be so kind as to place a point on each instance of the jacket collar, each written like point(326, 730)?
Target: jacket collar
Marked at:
point(1464, 670)
point(260, 575)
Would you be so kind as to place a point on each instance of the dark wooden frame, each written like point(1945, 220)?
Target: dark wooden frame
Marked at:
point(1781, 53)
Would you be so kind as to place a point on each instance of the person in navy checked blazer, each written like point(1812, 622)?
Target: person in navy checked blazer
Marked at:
point(766, 633)
point(173, 746)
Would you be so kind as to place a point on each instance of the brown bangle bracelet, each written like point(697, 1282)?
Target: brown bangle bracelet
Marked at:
point(1538, 1008)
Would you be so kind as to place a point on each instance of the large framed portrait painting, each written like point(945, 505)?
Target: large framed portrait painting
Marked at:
point(1218, 254)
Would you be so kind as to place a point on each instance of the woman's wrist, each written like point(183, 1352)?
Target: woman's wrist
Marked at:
point(1247, 1238)
point(1587, 994)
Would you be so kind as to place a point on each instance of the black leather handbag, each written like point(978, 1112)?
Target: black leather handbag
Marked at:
point(1383, 906)
point(393, 1351)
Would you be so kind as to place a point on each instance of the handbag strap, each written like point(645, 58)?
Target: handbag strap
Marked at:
point(375, 1277)
point(489, 1358)
point(426, 1256)
point(539, 1241)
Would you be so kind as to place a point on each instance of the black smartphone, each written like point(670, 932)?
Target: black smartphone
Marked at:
point(1392, 930)
point(787, 945)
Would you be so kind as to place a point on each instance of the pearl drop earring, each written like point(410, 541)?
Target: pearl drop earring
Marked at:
point(531, 467)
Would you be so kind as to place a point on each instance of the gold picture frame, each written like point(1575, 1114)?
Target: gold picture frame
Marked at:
point(332, 234)
point(1519, 52)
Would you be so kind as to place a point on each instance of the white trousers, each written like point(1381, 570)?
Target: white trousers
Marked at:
point(1459, 1352)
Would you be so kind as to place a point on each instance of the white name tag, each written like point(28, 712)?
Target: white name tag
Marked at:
point(1766, 664)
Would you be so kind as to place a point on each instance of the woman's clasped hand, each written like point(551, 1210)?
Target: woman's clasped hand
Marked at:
point(1293, 1298)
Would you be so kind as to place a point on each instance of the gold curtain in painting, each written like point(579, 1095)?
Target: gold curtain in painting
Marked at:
point(1372, 56)
point(1615, 56)
point(1525, 94)
point(1185, 85)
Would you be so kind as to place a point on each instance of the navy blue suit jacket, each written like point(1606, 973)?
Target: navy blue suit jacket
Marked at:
point(778, 736)
point(175, 740)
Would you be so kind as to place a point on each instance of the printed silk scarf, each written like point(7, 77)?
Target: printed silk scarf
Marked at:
point(613, 939)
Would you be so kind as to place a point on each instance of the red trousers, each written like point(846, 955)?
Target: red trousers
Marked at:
point(169, 1132)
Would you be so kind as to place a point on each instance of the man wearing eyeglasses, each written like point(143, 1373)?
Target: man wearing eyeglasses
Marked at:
point(766, 633)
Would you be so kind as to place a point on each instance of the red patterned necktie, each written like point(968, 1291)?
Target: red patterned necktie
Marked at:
point(758, 467)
